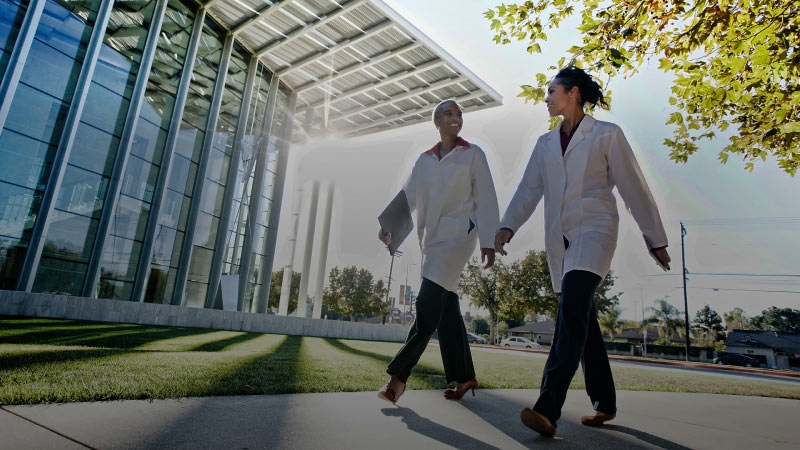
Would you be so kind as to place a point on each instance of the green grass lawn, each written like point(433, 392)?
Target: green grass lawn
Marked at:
point(47, 360)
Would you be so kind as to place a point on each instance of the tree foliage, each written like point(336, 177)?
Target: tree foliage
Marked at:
point(610, 320)
point(735, 63)
point(531, 291)
point(736, 319)
point(352, 293)
point(277, 286)
point(707, 326)
point(486, 289)
point(784, 320)
point(667, 317)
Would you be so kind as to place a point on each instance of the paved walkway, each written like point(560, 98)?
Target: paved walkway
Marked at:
point(422, 420)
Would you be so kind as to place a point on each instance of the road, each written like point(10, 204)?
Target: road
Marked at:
point(667, 365)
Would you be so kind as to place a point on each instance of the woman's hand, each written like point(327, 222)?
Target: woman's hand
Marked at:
point(386, 238)
point(487, 257)
point(661, 256)
point(501, 238)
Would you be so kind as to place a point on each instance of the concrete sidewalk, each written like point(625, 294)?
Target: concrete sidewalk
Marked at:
point(422, 420)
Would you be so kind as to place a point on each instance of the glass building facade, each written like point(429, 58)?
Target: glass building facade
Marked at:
point(141, 150)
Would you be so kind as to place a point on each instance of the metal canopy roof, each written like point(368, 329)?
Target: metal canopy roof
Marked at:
point(357, 66)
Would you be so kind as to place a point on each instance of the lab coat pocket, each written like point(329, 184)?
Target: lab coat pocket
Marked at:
point(451, 229)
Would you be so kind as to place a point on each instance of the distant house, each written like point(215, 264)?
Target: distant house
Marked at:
point(540, 332)
point(636, 336)
point(778, 349)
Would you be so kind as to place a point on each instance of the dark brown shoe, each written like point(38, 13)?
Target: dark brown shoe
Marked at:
point(597, 419)
point(537, 422)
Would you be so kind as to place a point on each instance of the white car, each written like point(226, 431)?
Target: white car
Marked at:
point(519, 342)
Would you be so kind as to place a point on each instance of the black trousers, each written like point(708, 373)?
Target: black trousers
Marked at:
point(437, 309)
point(577, 339)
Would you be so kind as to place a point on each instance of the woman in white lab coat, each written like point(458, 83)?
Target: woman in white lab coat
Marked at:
point(575, 167)
point(451, 190)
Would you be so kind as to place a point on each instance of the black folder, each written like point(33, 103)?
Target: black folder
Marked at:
point(396, 219)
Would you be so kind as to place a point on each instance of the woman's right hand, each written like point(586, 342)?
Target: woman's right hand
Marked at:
point(501, 238)
point(386, 238)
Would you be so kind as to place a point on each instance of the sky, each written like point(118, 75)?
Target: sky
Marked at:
point(741, 249)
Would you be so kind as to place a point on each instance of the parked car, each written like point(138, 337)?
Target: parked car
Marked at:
point(519, 342)
point(735, 359)
point(473, 338)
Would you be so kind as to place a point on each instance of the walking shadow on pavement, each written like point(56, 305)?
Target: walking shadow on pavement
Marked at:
point(433, 430)
point(500, 408)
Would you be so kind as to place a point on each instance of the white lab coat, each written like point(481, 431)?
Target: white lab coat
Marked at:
point(449, 196)
point(578, 199)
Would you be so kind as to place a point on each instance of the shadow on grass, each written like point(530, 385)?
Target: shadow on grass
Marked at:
point(271, 373)
point(222, 344)
point(18, 361)
point(422, 376)
point(90, 334)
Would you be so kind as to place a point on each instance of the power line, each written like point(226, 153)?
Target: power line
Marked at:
point(737, 289)
point(777, 275)
point(744, 221)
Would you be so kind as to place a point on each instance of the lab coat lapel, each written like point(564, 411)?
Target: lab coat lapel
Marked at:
point(584, 128)
point(436, 200)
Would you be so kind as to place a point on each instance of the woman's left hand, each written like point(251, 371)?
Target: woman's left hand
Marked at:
point(661, 256)
point(487, 257)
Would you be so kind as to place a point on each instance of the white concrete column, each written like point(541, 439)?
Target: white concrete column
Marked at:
point(323, 254)
point(288, 269)
point(309, 246)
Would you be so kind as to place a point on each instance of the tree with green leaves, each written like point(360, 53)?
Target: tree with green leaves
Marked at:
point(707, 325)
point(783, 320)
point(610, 320)
point(480, 326)
point(735, 64)
point(531, 291)
point(736, 319)
point(353, 293)
point(277, 285)
point(667, 318)
point(486, 288)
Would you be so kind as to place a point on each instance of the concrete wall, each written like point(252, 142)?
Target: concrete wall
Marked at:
point(15, 303)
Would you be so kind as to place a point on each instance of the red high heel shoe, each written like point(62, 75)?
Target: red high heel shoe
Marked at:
point(388, 394)
point(456, 394)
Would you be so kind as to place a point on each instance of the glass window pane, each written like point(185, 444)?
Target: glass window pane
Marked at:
point(213, 195)
point(12, 13)
point(148, 142)
point(57, 276)
point(131, 218)
point(94, 149)
point(195, 294)
point(160, 285)
point(49, 112)
point(118, 259)
point(12, 255)
point(24, 160)
point(206, 230)
point(140, 179)
point(105, 109)
point(114, 289)
point(82, 192)
point(179, 174)
point(51, 71)
point(67, 236)
point(200, 264)
point(18, 209)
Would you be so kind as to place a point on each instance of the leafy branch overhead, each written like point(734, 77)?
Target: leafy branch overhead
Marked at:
point(735, 63)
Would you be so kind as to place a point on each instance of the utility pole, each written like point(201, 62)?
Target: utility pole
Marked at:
point(403, 320)
point(389, 284)
point(685, 299)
